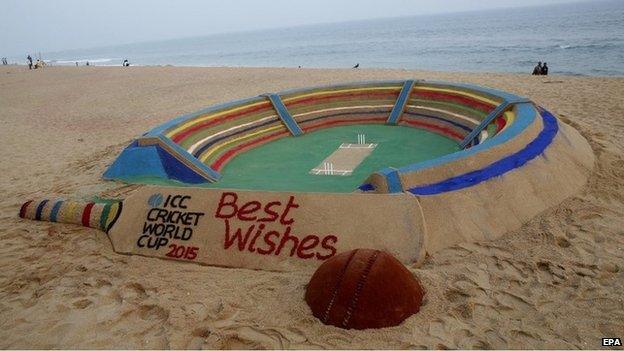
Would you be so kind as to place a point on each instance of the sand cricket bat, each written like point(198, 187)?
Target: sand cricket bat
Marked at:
point(250, 229)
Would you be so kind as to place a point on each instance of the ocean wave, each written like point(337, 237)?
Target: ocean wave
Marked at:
point(606, 72)
point(96, 60)
point(526, 62)
point(587, 46)
point(569, 73)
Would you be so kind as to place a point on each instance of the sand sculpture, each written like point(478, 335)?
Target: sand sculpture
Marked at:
point(508, 161)
point(363, 289)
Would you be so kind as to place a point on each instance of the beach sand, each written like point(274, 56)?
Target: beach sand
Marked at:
point(558, 282)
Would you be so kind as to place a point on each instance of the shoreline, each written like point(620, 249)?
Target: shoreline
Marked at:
point(554, 283)
point(552, 74)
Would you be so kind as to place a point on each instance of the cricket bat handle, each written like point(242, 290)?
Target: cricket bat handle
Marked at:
point(89, 214)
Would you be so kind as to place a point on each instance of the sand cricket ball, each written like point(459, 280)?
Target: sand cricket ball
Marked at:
point(362, 289)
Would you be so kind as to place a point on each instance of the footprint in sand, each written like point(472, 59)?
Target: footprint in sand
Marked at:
point(153, 313)
point(550, 273)
point(82, 304)
point(133, 291)
point(197, 312)
point(563, 242)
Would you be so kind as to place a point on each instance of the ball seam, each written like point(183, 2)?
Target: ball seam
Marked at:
point(358, 288)
point(337, 287)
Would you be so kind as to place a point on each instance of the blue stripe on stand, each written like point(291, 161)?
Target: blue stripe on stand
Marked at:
point(484, 123)
point(214, 175)
point(401, 101)
point(285, 116)
point(393, 179)
point(366, 187)
point(497, 111)
point(533, 149)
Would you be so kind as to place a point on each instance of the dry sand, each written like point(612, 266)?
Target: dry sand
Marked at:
point(558, 282)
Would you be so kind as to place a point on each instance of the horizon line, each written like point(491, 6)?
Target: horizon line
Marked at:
point(261, 29)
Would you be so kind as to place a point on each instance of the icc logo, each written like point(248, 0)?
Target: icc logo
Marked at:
point(155, 200)
point(175, 201)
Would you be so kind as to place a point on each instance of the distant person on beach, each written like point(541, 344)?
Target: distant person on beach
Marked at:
point(545, 69)
point(76, 63)
point(87, 63)
point(4, 61)
point(357, 65)
point(538, 69)
point(29, 62)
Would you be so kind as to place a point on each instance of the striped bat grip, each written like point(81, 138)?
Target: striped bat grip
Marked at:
point(89, 214)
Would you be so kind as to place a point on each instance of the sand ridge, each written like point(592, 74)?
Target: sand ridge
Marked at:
point(555, 283)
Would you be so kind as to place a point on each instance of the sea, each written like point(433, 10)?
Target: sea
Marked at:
point(585, 38)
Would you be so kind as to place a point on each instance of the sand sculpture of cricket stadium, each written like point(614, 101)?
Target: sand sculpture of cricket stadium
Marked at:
point(290, 179)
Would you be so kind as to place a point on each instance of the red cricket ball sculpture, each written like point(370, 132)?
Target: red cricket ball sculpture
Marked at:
point(363, 289)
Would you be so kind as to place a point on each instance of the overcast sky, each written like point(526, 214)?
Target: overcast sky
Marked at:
point(52, 25)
